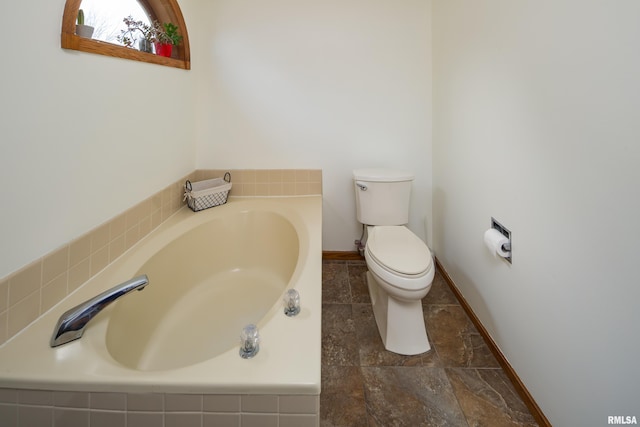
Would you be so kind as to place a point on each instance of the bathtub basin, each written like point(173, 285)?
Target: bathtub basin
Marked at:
point(207, 285)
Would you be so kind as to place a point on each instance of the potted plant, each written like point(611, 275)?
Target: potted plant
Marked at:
point(167, 37)
point(135, 29)
point(81, 29)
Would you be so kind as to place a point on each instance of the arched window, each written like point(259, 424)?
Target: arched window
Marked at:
point(157, 10)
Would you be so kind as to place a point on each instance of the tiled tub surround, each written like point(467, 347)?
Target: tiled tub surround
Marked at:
point(28, 293)
point(42, 408)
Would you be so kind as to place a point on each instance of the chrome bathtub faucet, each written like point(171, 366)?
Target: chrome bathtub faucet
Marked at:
point(71, 324)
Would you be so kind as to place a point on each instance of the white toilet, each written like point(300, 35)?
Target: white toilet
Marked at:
point(400, 265)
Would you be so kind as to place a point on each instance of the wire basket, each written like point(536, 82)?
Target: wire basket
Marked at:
point(207, 194)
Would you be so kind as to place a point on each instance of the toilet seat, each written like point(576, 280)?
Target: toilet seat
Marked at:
point(399, 257)
point(398, 250)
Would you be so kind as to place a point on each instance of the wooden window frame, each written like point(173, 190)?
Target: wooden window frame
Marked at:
point(160, 10)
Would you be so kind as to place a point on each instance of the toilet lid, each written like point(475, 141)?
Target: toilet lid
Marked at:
point(398, 249)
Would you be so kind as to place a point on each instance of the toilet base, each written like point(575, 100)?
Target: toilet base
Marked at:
point(400, 322)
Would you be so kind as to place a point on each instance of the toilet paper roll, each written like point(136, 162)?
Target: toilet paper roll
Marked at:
point(495, 241)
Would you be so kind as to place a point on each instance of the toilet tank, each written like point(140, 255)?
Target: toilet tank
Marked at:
point(382, 196)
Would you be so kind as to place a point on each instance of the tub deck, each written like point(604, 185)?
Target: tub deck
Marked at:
point(288, 363)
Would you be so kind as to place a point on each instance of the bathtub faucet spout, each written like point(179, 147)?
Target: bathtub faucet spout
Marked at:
point(72, 323)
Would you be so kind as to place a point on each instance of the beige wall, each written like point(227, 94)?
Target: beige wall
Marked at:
point(84, 137)
point(274, 85)
point(335, 85)
point(536, 123)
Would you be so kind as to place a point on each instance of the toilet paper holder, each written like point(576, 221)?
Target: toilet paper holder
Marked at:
point(506, 233)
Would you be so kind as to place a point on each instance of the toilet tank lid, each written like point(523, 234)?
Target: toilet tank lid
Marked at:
point(382, 175)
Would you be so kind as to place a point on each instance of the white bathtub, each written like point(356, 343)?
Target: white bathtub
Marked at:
point(210, 273)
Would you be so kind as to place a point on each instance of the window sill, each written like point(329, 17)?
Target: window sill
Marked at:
point(74, 42)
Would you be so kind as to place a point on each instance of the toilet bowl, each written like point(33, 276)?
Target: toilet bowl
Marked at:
point(400, 274)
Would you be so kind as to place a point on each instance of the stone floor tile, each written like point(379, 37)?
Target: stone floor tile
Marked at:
point(405, 396)
point(455, 339)
point(335, 283)
point(342, 402)
point(339, 339)
point(488, 398)
point(358, 283)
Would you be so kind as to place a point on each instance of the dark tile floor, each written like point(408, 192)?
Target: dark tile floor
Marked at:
point(457, 383)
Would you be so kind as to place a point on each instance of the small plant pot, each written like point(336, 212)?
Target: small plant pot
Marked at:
point(85, 31)
point(164, 49)
point(144, 45)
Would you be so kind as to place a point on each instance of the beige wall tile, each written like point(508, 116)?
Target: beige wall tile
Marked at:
point(23, 313)
point(259, 403)
point(315, 175)
point(9, 415)
point(25, 282)
point(70, 417)
point(221, 403)
point(289, 175)
point(248, 176)
point(8, 395)
point(259, 420)
point(71, 399)
point(262, 189)
point(132, 236)
point(145, 419)
point(116, 248)
point(299, 404)
point(288, 188)
point(302, 175)
point(4, 327)
point(145, 402)
point(100, 237)
point(79, 274)
point(117, 226)
point(29, 416)
point(221, 420)
point(315, 188)
point(79, 250)
point(262, 176)
point(107, 419)
point(182, 402)
point(274, 175)
point(275, 188)
point(299, 421)
point(35, 397)
point(183, 420)
point(55, 263)
point(53, 292)
point(99, 260)
point(156, 218)
point(110, 401)
point(145, 225)
point(4, 294)
point(302, 188)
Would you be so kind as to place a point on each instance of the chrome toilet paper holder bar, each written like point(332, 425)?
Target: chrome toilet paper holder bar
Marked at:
point(506, 233)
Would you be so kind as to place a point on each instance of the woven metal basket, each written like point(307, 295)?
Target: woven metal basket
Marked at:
point(206, 194)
